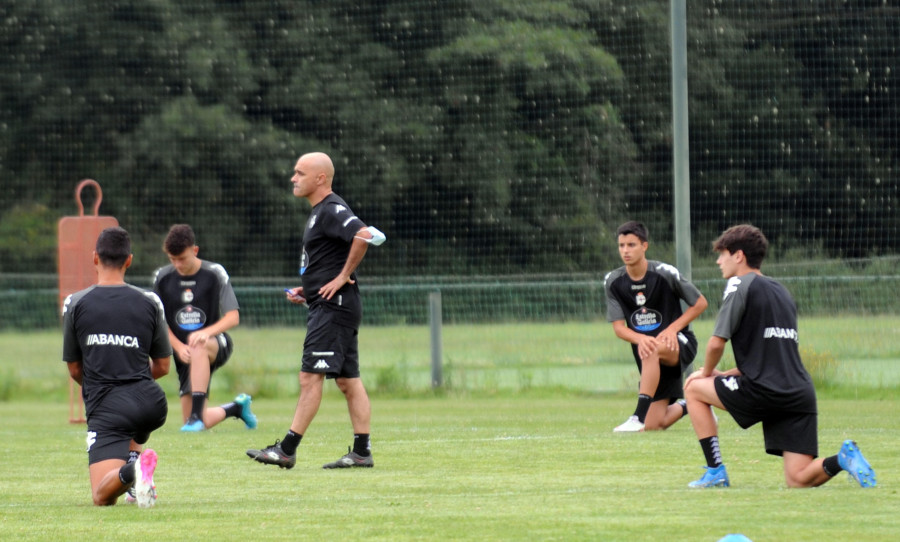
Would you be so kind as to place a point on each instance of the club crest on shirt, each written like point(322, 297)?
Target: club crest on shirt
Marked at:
point(640, 299)
point(187, 296)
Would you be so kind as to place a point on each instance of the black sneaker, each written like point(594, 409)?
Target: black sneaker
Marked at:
point(352, 459)
point(274, 455)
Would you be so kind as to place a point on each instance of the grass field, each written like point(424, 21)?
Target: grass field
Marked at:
point(516, 468)
point(859, 355)
point(519, 447)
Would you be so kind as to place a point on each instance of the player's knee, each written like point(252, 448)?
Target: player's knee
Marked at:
point(99, 500)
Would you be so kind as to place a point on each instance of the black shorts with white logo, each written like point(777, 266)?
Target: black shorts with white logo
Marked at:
point(671, 378)
point(790, 421)
point(331, 346)
point(130, 411)
point(226, 347)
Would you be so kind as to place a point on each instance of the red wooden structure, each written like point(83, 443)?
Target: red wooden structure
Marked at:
point(77, 240)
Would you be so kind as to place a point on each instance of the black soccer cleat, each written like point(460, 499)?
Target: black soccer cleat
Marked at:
point(274, 455)
point(352, 459)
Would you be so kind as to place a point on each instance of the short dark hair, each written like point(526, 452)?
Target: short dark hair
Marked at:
point(636, 228)
point(113, 247)
point(180, 238)
point(746, 238)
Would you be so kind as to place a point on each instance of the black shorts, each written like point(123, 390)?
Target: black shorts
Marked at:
point(331, 346)
point(789, 421)
point(226, 347)
point(127, 412)
point(671, 378)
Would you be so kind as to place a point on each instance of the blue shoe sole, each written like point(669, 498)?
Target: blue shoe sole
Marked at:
point(852, 460)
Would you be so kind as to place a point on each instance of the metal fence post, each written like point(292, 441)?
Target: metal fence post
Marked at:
point(434, 308)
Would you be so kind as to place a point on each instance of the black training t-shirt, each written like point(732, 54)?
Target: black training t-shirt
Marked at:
point(759, 317)
point(113, 331)
point(196, 301)
point(326, 244)
point(651, 304)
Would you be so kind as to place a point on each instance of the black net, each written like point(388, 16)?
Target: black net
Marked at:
point(497, 144)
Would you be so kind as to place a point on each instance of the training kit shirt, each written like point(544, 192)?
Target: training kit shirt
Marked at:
point(329, 234)
point(195, 301)
point(759, 317)
point(113, 331)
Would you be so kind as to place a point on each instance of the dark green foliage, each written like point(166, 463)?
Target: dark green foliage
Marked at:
point(482, 137)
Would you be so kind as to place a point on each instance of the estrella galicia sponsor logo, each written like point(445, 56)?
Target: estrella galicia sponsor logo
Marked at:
point(781, 333)
point(645, 319)
point(105, 339)
point(190, 318)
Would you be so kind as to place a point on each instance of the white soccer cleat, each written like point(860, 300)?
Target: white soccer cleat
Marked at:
point(631, 425)
point(144, 488)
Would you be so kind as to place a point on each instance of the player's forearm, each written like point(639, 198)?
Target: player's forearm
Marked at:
point(228, 320)
point(625, 333)
point(714, 350)
point(354, 258)
point(76, 371)
point(159, 367)
point(690, 314)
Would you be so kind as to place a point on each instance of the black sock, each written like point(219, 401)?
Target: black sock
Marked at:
point(683, 404)
point(710, 446)
point(126, 474)
point(232, 410)
point(831, 466)
point(361, 445)
point(290, 442)
point(642, 407)
point(198, 401)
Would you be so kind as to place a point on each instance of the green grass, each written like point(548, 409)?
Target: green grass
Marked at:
point(520, 467)
point(483, 359)
point(518, 447)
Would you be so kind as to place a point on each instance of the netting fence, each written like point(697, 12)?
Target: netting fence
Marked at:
point(498, 144)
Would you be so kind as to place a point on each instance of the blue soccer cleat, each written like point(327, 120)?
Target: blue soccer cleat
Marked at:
point(852, 461)
point(193, 425)
point(246, 414)
point(713, 477)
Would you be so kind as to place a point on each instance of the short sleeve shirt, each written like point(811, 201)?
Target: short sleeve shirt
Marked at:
point(759, 317)
point(326, 244)
point(113, 331)
point(195, 301)
point(650, 304)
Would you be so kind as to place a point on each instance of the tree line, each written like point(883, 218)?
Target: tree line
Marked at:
point(499, 137)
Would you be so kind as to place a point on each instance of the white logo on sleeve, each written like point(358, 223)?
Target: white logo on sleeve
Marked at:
point(670, 269)
point(732, 286)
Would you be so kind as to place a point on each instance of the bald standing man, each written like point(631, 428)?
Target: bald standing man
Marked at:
point(334, 243)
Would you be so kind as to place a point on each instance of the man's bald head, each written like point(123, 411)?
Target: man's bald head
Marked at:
point(317, 163)
point(312, 177)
